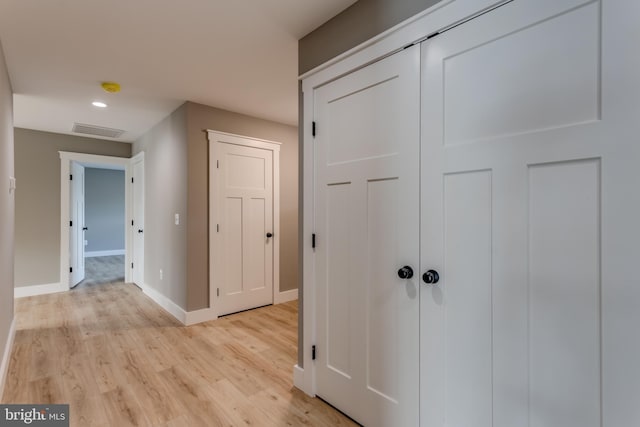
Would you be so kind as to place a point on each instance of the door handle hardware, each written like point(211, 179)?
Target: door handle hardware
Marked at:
point(269, 235)
point(405, 272)
point(431, 277)
point(85, 228)
point(139, 231)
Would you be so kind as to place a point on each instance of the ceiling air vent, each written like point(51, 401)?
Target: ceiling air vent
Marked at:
point(96, 130)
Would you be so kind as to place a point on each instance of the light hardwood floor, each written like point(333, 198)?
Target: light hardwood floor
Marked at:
point(119, 360)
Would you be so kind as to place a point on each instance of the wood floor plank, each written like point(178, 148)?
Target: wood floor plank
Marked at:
point(123, 409)
point(101, 360)
point(119, 360)
point(46, 390)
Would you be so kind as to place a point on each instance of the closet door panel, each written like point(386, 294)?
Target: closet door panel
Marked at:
point(367, 202)
point(525, 152)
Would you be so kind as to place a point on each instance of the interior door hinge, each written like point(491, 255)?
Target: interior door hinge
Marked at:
point(132, 223)
point(313, 240)
point(70, 269)
point(70, 223)
point(132, 180)
point(131, 265)
point(313, 352)
point(70, 177)
point(313, 129)
point(217, 292)
point(217, 164)
point(217, 228)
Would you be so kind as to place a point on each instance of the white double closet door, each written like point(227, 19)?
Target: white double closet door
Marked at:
point(525, 202)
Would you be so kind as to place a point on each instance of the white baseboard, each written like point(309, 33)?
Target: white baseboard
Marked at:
point(93, 254)
point(6, 357)
point(171, 307)
point(298, 377)
point(29, 291)
point(285, 296)
point(199, 316)
point(206, 314)
point(188, 318)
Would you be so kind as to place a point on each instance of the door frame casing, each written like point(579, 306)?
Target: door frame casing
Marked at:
point(415, 29)
point(244, 141)
point(65, 170)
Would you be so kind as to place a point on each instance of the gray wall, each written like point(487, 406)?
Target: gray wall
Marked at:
point(104, 209)
point(165, 172)
point(7, 204)
point(201, 117)
point(37, 163)
point(356, 24)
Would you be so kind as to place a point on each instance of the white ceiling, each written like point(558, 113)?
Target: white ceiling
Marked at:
point(239, 55)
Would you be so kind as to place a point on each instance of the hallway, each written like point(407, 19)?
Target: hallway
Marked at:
point(118, 360)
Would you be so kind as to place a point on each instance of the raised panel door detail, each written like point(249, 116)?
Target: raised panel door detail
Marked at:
point(564, 294)
point(468, 298)
point(366, 130)
point(382, 319)
point(339, 286)
point(233, 244)
point(529, 84)
point(256, 259)
point(243, 171)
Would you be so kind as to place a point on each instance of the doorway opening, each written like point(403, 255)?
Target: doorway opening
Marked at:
point(96, 206)
point(104, 227)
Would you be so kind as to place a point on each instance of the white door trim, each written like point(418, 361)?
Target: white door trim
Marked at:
point(246, 141)
point(91, 160)
point(437, 18)
point(432, 20)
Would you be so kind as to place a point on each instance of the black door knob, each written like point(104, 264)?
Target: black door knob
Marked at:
point(85, 228)
point(269, 235)
point(405, 272)
point(139, 231)
point(432, 277)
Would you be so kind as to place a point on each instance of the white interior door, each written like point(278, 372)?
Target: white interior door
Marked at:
point(138, 222)
point(77, 225)
point(527, 147)
point(367, 201)
point(244, 227)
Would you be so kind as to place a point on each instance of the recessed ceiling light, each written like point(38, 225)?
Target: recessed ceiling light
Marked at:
point(99, 104)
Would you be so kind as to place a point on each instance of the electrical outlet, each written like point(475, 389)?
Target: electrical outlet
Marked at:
point(160, 274)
